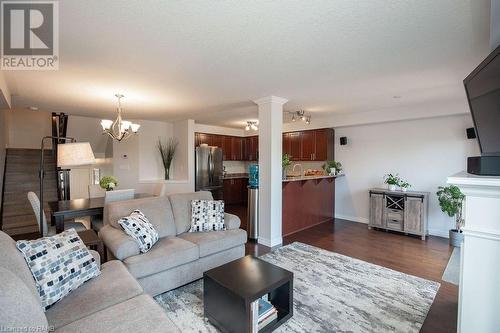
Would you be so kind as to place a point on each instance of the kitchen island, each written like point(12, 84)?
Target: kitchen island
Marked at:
point(307, 201)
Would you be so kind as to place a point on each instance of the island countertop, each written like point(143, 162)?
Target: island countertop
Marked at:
point(303, 178)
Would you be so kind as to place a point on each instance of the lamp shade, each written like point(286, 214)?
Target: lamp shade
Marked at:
point(74, 154)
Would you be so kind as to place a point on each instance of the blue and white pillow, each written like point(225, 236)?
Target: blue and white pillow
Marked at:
point(59, 264)
point(137, 226)
point(207, 215)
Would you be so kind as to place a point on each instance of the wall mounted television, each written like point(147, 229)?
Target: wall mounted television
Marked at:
point(482, 87)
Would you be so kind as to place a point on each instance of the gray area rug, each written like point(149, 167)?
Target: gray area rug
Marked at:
point(452, 272)
point(332, 293)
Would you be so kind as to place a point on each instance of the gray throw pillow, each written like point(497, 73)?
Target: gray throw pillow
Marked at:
point(59, 264)
point(137, 226)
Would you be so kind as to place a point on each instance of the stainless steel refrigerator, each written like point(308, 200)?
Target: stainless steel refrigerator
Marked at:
point(208, 170)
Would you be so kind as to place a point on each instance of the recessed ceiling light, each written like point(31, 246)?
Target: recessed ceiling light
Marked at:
point(33, 108)
point(396, 96)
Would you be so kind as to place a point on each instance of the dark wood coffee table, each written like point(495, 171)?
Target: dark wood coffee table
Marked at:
point(230, 289)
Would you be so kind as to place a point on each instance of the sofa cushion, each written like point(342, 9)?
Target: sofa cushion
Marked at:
point(13, 260)
point(118, 242)
point(156, 209)
point(137, 226)
point(181, 207)
point(113, 286)
point(215, 241)
point(20, 308)
point(165, 254)
point(137, 315)
point(59, 264)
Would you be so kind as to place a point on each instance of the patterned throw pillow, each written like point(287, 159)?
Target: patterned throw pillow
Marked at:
point(137, 226)
point(207, 215)
point(59, 264)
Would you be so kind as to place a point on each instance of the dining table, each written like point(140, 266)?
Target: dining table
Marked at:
point(70, 209)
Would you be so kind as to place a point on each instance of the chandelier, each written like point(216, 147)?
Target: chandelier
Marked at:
point(301, 115)
point(251, 125)
point(119, 129)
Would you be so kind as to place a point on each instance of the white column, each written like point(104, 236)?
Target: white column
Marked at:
point(270, 177)
point(479, 290)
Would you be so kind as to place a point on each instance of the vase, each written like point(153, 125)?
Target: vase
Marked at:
point(391, 187)
point(167, 173)
point(284, 173)
point(456, 238)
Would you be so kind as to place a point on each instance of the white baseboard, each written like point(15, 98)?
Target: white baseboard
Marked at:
point(433, 232)
point(352, 218)
point(270, 243)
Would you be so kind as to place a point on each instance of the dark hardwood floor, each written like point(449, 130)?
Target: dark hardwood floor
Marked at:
point(407, 254)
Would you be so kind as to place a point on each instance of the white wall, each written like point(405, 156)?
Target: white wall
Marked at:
point(422, 151)
point(27, 128)
point(219, 130)
point(3, 142)
point(495, 24)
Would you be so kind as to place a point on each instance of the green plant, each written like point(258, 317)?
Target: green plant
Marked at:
point(451, 201)
point(404, 184)
point(285, 161)
point(108, 183)
point(391, 179)
point(332, 165)
point(167, 152)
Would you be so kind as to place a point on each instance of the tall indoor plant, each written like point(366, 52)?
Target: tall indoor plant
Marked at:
point(167, 151)
point(451, 200)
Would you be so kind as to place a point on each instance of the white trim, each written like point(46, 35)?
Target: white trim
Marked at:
point(364, 220)
point(352, 218)
point(270, 99)
point(482, 233)
point(270, 243)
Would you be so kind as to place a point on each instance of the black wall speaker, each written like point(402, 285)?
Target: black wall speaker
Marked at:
point(471, 133)
point(343, 140)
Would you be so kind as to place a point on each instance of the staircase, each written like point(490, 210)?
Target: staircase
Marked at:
point(21, 176)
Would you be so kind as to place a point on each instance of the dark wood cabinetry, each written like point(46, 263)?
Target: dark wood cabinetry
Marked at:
point(312, 145)
point(235, 191)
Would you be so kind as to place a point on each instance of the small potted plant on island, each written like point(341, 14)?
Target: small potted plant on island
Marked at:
point(285, 163)
point(108, 183)
point(451, 201)
point(392, 181)
point(332, 168)
point(404, 185)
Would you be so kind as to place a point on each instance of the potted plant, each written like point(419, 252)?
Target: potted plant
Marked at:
point(451, 201)
point(332, 168)
point(167, 152)
point(392, 181)
point(108, 183)
point(404, 185)
point(285, 163)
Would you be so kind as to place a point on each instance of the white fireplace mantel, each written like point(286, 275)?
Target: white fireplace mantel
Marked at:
point(479, 290)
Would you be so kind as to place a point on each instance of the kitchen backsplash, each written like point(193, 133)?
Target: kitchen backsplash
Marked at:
point(236, 166)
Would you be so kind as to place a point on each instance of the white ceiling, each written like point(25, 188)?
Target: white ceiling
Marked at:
point(208, 60)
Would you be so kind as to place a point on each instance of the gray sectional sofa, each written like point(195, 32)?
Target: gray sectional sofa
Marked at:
point(119, 299)
point(179, 257)
point(112, 302)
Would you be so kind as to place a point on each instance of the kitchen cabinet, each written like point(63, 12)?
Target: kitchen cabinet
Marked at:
point(251, 148)
point(324, 139)
point(235, 191)
point(308, 145)
point(292, 145)
point(237, 148)
point(227, 148)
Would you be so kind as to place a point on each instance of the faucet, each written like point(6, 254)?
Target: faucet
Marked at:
point(224, 171)
point(301, 168)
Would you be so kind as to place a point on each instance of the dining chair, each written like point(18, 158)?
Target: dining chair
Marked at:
point(112, 196)
point(49, 230)
point(96, 191)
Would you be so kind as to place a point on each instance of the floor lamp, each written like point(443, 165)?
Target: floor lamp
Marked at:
point(70, 154)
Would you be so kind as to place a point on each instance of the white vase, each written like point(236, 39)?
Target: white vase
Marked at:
point(391, 188)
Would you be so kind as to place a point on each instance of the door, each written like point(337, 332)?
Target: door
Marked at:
point(227, 150)
point(321, 151)
point(202, 167)
point(413, 214)
point(377, 203)
point(237, 148)
point(294, 138)
point(308, 145)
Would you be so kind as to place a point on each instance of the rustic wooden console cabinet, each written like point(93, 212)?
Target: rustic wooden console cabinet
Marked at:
point(399, 211)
